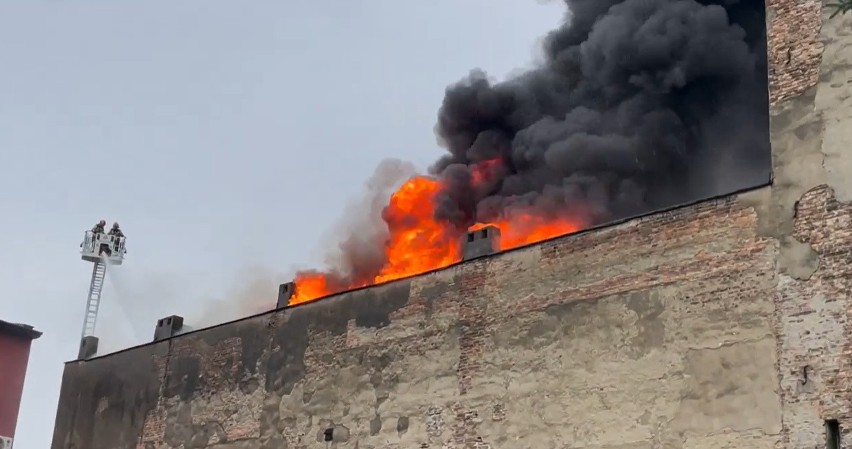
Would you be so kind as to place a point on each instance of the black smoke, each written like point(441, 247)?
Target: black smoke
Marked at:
point(638, 105)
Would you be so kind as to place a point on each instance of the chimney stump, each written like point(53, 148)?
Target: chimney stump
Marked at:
point(482, 242)
point(168, 327)
point(285, 292)
point(88, 347)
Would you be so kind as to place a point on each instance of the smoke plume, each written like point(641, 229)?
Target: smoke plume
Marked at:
point(361, 254)
point(640, 104)
point(637, 105)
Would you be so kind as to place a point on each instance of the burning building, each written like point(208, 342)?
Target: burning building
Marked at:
point(639, 105)
point(723, 322)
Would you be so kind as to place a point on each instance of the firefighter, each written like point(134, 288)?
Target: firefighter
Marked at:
point(99, 227)
point(97, 231)
point(116, 231)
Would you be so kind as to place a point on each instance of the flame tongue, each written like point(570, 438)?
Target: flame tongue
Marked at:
point(523, 229)
point(418, 242)
point(310, 285)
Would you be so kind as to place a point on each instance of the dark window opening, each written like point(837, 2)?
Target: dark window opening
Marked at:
point(470, 236)
point(832, 434)
point(329, 434)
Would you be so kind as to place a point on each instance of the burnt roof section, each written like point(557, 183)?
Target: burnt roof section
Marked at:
point(18, 330)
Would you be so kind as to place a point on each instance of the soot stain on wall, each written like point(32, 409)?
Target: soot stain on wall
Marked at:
point(111, 398)
point(368, 308)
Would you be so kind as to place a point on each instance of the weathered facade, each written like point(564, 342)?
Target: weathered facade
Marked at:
point(723, 324)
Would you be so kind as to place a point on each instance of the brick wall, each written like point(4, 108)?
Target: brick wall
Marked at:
point(660, 328)
point(107, 403)
point(795, 47)
point(809, 85)
point(815, 326)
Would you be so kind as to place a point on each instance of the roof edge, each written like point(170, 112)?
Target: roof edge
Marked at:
point(19, 330)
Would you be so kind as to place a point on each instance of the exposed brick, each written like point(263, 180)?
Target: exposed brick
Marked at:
point(814, 323)
point(794, 47)
point(154, 423)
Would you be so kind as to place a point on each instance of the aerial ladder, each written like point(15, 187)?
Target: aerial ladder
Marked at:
point(102, 249)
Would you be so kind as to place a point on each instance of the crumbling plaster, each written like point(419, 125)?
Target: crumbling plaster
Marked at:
point(810, 140)
point(809, 215)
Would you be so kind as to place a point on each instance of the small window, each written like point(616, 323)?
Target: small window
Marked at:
point(484, 233)
point(329, 434)
point(832, 434)
point(470, 236)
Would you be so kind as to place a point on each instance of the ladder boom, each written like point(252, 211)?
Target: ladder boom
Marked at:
point(94, 301)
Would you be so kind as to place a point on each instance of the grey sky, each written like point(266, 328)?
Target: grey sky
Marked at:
point(226, 137)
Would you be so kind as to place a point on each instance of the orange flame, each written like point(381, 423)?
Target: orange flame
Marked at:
point(419, 243)
point(310, 286)
point(524, 229)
